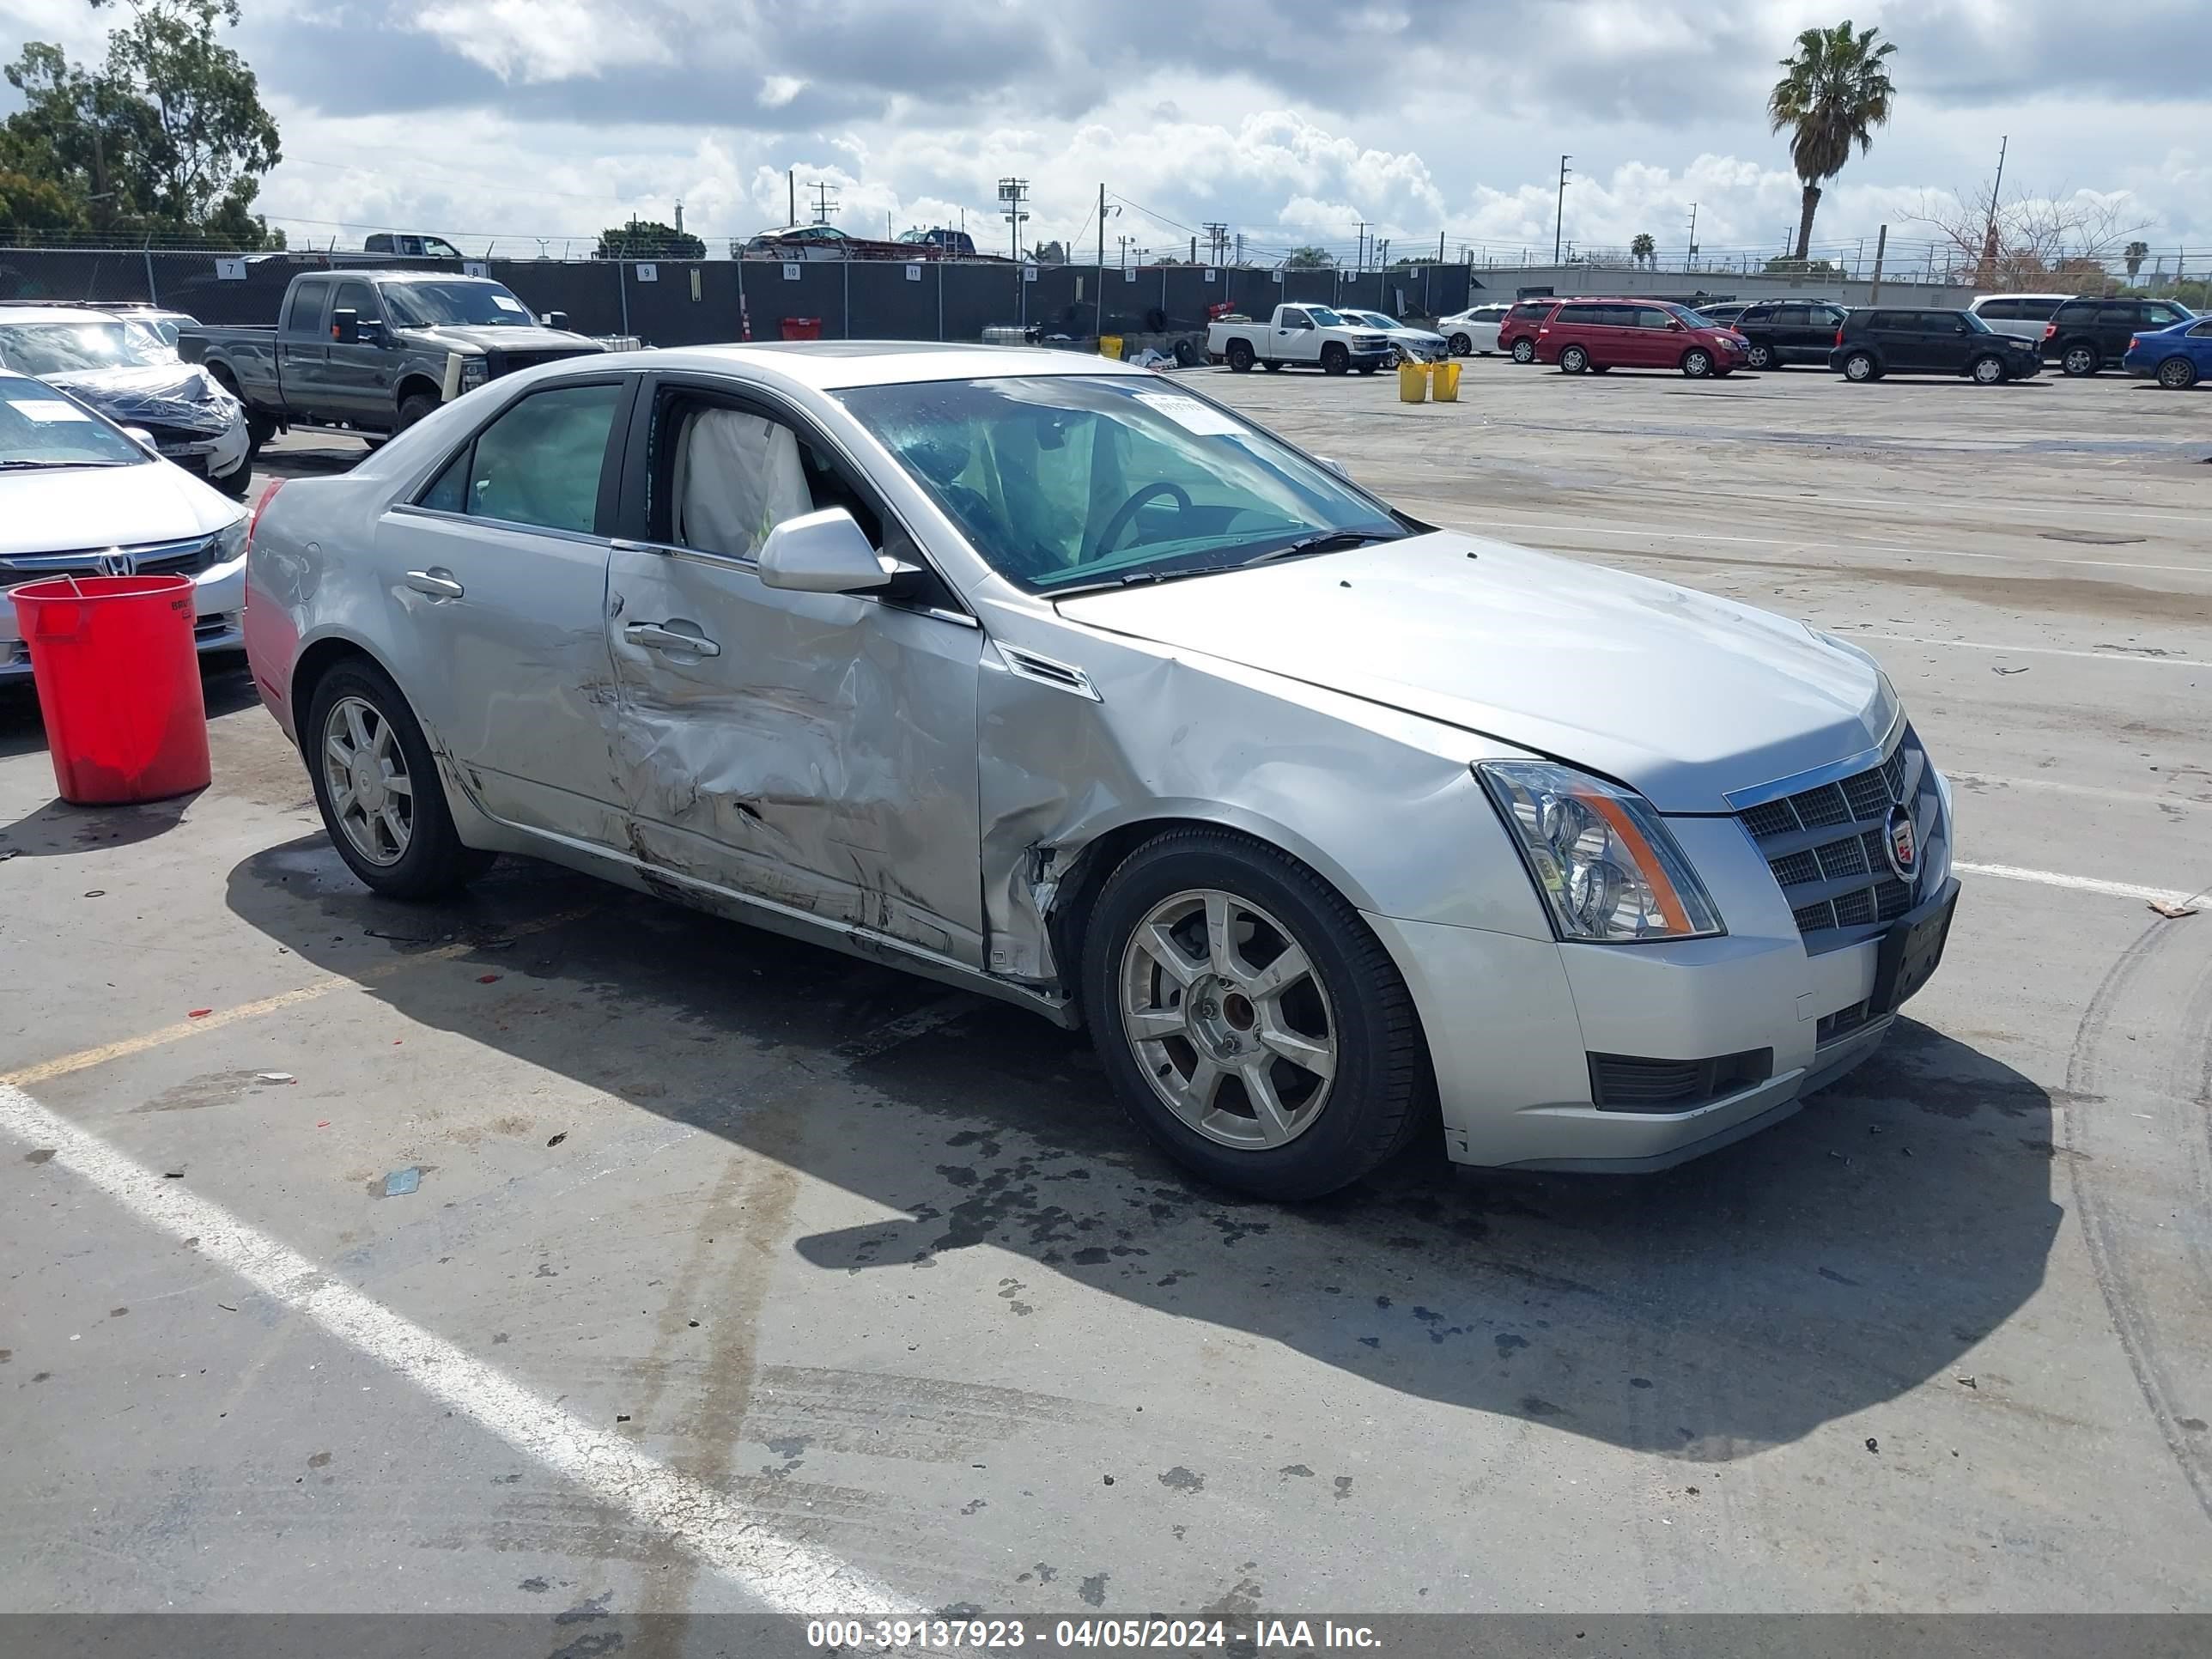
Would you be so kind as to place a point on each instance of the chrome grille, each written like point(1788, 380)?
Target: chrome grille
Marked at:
point(185, 558)
point(1826, 846)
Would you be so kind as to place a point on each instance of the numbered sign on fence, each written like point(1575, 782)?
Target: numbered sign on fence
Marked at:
point(648, 273)
point(230, 271)
point(791, 273)
point(476, 268)
point(914, 273)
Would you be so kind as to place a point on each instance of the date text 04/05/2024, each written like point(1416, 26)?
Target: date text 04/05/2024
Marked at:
point(857, 1635)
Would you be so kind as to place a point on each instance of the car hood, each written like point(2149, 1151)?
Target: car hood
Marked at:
point(1684, 696)
point(68, 509)
point(172, 394)
point(449, 336)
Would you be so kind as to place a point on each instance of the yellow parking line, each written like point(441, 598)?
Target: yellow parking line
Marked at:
point(85, 1059)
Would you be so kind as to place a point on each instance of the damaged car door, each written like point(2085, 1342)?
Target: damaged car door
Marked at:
point(814, 752)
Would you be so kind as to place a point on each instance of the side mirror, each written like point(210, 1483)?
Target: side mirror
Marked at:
point(1677, 325)
point(824, 552)
point(143, 439)
point(557, 320)
point(345, 327)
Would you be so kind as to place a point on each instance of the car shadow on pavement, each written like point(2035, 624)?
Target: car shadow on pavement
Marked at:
point(1739, 1302)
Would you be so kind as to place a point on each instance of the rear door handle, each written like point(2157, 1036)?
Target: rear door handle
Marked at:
point(437, 582)
point(671, 636)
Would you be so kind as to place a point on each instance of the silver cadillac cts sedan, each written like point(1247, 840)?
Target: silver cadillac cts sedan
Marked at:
point(1052, 678)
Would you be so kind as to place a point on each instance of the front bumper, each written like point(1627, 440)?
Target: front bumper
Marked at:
point(220, 596)
point(1513, 1023)
point(217, 456)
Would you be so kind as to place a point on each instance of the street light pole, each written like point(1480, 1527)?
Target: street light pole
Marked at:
point(1560, 221)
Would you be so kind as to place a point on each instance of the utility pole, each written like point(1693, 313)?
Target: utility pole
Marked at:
point(826, 202)
point(1880, 247)
point(1560, 221)
point(791, 188)
point(1011, 191)
point(1359, 257)
point(1985, 275)
point(679, 226)
point(1217, 236)
point(1691, 257)
point(1099, 317)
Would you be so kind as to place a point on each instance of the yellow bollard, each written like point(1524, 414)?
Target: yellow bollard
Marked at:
point(1446, 376)
point(1109, 345)
point(1412, 383)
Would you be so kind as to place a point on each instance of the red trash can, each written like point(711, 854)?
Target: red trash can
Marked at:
point(118, 679)
point(802, 328)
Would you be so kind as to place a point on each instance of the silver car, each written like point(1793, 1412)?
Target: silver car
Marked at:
point(1049, 678)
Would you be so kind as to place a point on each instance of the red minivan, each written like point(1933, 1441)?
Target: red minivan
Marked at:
point(1602, 334)
point(1516, 330)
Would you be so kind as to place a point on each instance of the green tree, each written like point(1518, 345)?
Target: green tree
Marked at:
point(2135, 254)
point(648, 239)
point(1835, 89)
point(1643, 250)
point(29, 204)
point(1309, 258)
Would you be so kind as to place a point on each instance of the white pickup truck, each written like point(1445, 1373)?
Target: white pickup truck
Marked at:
point(1310, 335)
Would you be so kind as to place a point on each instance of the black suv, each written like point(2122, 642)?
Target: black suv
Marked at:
point(1783, 331)
point(2087, 334)
point(1873, 342)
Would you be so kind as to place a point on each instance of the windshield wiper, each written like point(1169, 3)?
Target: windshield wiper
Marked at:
point(1326, 541)
point(13, 465)
point(1136, 579)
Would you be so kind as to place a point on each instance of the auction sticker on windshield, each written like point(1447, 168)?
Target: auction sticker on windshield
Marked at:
point(505, 304)
point(48, 410)
point(1192, 415)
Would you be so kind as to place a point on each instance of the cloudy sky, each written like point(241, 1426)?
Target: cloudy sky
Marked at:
point(1293, 121)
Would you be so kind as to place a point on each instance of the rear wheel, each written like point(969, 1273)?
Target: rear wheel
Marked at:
point(1697, 363)
point(1988, 371)
point(1334, 359)
point(1461, 346)
point(2177, 373)
point(1368, 368)
point(238, 482)
point(1251, 1024)
point(376, 783)
point(1860, 367)
point(1524, 351)
point(1573, 360)
point(1240, 357)
point(2081, 358)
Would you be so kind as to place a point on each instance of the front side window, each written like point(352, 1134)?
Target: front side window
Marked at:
point(362, 298)
point(466, 305)
point(1653, 317)
point(538, 464)
point(71, 348)
point(1067, 480)
point(2159, 314)
point(1294, 319)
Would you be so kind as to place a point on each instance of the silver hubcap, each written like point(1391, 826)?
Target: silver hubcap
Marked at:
point(2079, 361)
point(365, 771)
point(1988, 372)
point(1756, 356)
point(1228, 1019)
point(1698, 364)
point(1858, 369)
point(1522, 351)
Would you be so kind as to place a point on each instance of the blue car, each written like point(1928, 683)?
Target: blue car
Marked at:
point(2177, 357)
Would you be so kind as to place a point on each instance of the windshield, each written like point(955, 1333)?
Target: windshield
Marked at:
point(73, 347)
point(40, 427)
point(1067, 480)
point(1698, 318)
point(1975, 325)
point(1324, 318)
point(475, 305)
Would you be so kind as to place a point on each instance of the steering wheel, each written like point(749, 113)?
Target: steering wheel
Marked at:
point(1127, 513)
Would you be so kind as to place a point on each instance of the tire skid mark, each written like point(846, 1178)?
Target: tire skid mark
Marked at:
point(2106, 1235)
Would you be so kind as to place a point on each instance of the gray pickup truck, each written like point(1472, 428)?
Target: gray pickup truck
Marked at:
point(373, 351)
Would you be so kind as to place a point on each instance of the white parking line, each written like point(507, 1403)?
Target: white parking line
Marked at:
point(788, 1576)
point(2081, 883)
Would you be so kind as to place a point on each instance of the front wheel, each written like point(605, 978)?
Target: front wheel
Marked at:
point(417, 407)
point(1251, 1024)
point(2080, 360)
point(1240, 357)
point(377, 786)
point(1573, 360)
point(1697, 363)
point(1368, 368)
point(238, 482)
point(1334, 359)
point(2177, 373)
point(1524, 351)
point(1988, 371)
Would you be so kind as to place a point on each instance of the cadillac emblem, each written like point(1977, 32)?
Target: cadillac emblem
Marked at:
point(1901, 844)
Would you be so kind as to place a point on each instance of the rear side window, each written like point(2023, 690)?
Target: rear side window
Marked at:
point(538, 464)
point(1890, 320)
point(1760, 313)
point(2037, 310)
point(303, 312)
point(1998, 311)
point(1580, 316)
point(2076, 311)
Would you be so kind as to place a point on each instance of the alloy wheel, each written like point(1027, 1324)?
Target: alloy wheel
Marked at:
point(1228, 1019)
point(365, 771)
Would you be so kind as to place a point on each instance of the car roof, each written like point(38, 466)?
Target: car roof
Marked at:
point(15, 313)
point(833, 365)
point(1983, 299)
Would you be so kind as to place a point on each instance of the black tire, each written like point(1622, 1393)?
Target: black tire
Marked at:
point(240, 481)
point(1240, 357)
point(1760, 355)
point(1988, 371)
point(1461, 346)
point(1697, 362)
point(1381, 1080)
point(1368, 368)
point(1334, 359)
point(1274, 366)
point(1601, 368)
point(1524, 350)
point(434, 864)
point(1187, 354)
point(415, 407)
point(1860, 367)
point(2080, 357)
point(2177, 373)
point(1573, 360)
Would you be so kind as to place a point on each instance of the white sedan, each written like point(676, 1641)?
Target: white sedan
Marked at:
point(1038, 674)
point(79, 497)
point(1473, 331)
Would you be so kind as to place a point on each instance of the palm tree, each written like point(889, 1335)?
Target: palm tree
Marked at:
point(1643, 250)
point(1834, 91)
point(2135, 254)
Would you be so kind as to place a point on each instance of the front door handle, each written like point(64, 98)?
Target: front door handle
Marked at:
point(671, 636)
point(437, 582)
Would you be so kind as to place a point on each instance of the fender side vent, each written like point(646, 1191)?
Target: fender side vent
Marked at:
point(1063, 676)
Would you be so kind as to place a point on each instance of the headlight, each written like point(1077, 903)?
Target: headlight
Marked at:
point(229, 543)
point(1605, 866)
point(474, 373)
